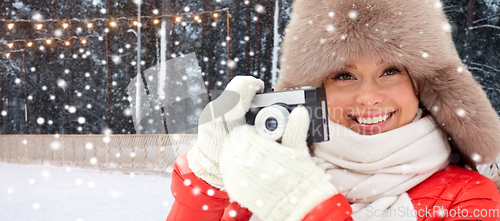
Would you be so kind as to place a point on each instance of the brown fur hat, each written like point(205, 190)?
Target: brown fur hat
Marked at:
point(323, 36)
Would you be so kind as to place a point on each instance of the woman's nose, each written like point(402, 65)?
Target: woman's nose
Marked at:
point(369, 94)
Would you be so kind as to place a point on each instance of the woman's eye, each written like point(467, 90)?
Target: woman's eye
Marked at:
point(344, 76)
point(391, 71)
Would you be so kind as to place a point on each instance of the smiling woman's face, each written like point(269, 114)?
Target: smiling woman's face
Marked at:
point(371, 97)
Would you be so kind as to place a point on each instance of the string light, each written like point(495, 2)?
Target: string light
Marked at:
point(89, 23)
point(8, 55)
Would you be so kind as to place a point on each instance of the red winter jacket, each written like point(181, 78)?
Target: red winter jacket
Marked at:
point(453, 193)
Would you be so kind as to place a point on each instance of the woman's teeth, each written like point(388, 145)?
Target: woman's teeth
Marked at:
point(374, 120)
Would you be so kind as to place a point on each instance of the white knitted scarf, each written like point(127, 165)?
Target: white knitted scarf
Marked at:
point(377, 170)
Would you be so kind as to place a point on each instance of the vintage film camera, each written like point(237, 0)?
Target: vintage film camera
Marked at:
point(269, 111)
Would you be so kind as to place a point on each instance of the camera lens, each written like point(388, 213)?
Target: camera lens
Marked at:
point(271, 124)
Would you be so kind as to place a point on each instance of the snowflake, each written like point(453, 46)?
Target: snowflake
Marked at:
point(259, 203)
point(40, 121)
point(353, 15)
point(72, 109)
point(56, 145)
point(58, 32)
point(89, 146)
point(37, 17)
point(330, 28)
point(61, 83)
point(81, 120)
point(45, 173)
point(116, 59)
point(461, 112)
point(476, 157)
point(260, 9)
point(106, 139)
point(93, 160)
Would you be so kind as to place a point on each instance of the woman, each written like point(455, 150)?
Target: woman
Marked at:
point(406, 120)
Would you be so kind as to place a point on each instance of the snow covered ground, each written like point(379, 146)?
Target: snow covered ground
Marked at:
point(45, 192)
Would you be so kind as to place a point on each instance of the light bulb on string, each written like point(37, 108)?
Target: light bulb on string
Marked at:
point(178, 19)
point(135, 23)
point(7, 55)
point(67, 43)
point(84, 41)
point(65, 25)
point(10, 45)
point(196, 17)
point(49, 41)
point(216, 15)
point(29, 44)
point(10, 25)
point(112, 24)
point(156, 21)
point(39, 26)
point(89, 25)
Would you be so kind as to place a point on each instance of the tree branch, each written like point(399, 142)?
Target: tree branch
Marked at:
point(484, 26)
point(485, 19)
point(484, 66)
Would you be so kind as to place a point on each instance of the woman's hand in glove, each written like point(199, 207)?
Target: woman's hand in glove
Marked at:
point(217, 119)
point(275, 181)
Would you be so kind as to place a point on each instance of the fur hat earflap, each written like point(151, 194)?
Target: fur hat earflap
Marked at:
point(324, 36)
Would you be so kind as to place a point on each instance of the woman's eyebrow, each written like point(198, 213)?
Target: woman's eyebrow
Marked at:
point(351, 66)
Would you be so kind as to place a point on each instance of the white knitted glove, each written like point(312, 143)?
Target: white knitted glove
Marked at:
point(275, 181)
point(217, 119)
